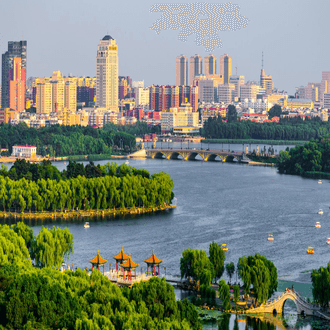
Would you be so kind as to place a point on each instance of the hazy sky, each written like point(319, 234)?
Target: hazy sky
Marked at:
point(64, 34)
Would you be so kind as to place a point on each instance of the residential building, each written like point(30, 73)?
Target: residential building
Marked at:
point(142, 97)
point(225, 67)
point(70, 95)
point(15, 49)
point(107, 74)
point(181, 68)
point(326, 100)
point(43, 95)
point(195, 68)
point(237, 81)
point(226, 93)
point(7, 115)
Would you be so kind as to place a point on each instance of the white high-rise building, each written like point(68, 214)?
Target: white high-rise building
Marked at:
point(107, 74)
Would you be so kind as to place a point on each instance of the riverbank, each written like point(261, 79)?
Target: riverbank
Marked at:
point(253, 141)
point(82, 214)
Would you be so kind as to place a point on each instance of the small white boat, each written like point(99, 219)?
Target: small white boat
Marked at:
point(270, 237)
point(320, 211)
point(127, 162)
point(320, 182)
point(328, 241)
point(318, 225)
point(86, 225)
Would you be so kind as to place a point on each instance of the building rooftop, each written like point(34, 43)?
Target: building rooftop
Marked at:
point(107, 37)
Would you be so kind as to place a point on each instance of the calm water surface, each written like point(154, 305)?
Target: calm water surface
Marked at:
point(227, 203)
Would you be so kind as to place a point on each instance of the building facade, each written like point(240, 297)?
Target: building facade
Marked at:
point(17, 85)
point(195, 68)
point(181, 68)
point(210, 65)
point(15, 49)
point(225, 67)
point(107, 74)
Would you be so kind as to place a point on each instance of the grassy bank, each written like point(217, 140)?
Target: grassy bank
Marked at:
point(253, 141)
point(82, 214)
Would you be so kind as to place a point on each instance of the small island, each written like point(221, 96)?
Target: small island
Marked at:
point(31, 190)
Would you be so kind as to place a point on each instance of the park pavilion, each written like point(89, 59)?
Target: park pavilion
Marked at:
point(128, 265)
point(97, 261)
point(153, 261)
point(120, 258)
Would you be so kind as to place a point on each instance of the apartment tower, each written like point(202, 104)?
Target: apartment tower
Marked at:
point(107, 74)
point(195, 68)
point(181, 77)
point(15, 49)
point(17, 86)
point(225, 68)
point(210, 65)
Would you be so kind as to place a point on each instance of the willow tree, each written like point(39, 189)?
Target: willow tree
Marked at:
point(217, 258)
point(321, 285)
point(52, 246)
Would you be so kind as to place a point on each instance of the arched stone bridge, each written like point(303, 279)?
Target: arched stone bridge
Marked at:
point(191, 154)
point(276, 306)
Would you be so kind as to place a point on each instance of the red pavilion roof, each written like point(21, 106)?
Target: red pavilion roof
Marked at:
point(153, 259)
point(121, 256)
point(98, 259)
point(129, 263)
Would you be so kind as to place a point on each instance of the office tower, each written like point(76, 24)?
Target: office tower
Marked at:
point(210, 65)
point(266, 82)
point(57, 92)
point(17, 85)
point(181, 71)
point(238, 81)
point(107, 74)
point(225, 67)
point(226, 93)
point(15, 49)
point(195, 68)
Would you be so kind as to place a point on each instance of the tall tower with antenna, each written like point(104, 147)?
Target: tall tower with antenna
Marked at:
point(266, 81)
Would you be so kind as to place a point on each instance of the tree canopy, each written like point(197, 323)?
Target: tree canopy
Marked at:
point(275, 111)
point(321, 285)
point(217, 258)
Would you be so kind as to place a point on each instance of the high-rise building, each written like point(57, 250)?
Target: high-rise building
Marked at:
point(70, 95)
point(195, 68)
point(266, 82)
point(181, 77)
point(17, 85)
point(44, 99)
point(107, 74)
point(15, 49)
point(57, 92)
point(210, 65)
point(225, 67)
point(226, 93)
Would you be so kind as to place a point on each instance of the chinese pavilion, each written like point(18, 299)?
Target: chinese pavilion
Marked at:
point(97, 261)
point(153, 261)
point(128, 265)
point(120, 258)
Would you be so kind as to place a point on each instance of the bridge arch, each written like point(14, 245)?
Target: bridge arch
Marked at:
point(176, 155)
point(212, 158)
point(159, 155)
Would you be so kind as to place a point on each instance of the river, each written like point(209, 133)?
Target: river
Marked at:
point(227, 203)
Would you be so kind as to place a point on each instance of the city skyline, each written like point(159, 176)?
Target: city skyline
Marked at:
point(285, 32)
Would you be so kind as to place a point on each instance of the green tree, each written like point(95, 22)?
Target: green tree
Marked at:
point(231, 113)
point(230, 269)
point(224, 295)
point(275, 111)
point(52, 246)
point(321, 285)
point(236, 294)
point(217, 258)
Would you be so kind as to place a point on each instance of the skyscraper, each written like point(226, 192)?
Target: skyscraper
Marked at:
point(181, 78)
point(107, 74)
point(266, 82)
point(210, 65)
point(225, 67)
point(15, 49)
point(195, 68)
point(17, 85)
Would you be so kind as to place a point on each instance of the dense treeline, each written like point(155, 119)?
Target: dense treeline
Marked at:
point(321, 285)
point(139, 128)
point(287, 129)
point(45, 298)
point(66, 140)
point(308, 159)
point(107, 192)
point(45, 170)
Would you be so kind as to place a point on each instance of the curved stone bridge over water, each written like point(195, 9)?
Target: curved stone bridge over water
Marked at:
point(191, 154)
point(276, 305)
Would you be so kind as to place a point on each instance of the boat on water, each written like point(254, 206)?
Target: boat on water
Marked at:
point(270, 237)
point(86, 225)
point(318, 225)
point(320, 211)
point(320, 182)
point(328, 241)
point(310, 250)
point(224, 247)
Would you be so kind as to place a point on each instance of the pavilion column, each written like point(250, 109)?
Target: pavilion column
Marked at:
point(135, 272)
point(158, 270)
point(92, 267)
point(147, 270)
point(116, 266)
point(103, 269)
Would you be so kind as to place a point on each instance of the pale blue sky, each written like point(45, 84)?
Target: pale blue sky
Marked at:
point(64, 34)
